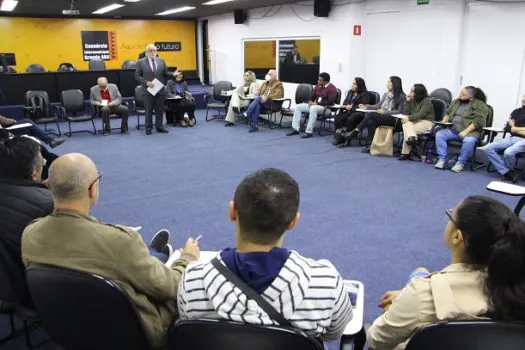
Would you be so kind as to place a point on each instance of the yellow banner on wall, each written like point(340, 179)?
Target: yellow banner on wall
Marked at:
point(52, 41)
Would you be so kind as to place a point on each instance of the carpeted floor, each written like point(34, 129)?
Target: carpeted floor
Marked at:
point(375, 218)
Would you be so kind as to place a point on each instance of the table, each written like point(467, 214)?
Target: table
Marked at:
point(510, 190)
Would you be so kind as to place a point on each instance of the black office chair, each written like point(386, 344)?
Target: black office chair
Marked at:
point(84, 312)
point(469, 335)
point(129, 64)
point(327, 118)
point(74, 110)
point(443, 94)
point(97, 65)
point(66, 67)
point(138, 105)
point(303, 94)
point(96, 110)
point(440, 107)
point(35, 68)
point(10, 69)
point(41, 111)
point(218, 101)
point(375, 97)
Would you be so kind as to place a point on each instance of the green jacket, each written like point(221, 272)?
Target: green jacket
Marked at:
point(79, 242)
point(422, 110)
point(475, 113)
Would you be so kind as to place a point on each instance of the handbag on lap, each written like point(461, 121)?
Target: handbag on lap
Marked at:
point(383, 142)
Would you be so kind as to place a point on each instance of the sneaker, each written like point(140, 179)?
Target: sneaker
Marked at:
point(440, 164)
point(57, 142)
point(457, 168)
point(292, 133)
point(160, 240)
point(167, 250)
point(253, 128)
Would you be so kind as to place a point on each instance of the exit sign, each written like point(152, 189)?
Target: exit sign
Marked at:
point(423, 2)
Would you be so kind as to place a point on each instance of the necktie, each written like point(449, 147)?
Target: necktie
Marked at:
point(154, 66)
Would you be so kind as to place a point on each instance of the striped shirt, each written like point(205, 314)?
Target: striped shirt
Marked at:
point(309, 294)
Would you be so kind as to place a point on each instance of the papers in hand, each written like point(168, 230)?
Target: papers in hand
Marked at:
point(366, 110)
point(156, 88)
point(204, 256)
point(398, 116)
point(104, 103)
point(442, 123)
point(20, 126)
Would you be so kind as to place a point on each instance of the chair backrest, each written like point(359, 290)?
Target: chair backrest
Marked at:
point(469, 335)
point(219, 87)
point(35, 68)
point(73, 100)
point(303, 93)
point(490, 116)
point(443, 94)
point(66, 67)
point(440, 107)
point(39, 102)
point(220, 335)
point(97, 65)
point(84, 312)
point(375, 97)
point(7, 290)
point(338, 97)
point(139, 98)
point(10, 69)
point(129, 64)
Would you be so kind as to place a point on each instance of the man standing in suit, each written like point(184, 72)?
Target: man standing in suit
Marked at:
point(148, 69)
point(107, 97)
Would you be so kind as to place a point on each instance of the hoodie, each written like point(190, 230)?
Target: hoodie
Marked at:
point(454, 293)
point(308, 293)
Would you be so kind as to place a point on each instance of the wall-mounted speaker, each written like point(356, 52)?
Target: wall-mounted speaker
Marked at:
point(240, 16)
point(322, 8)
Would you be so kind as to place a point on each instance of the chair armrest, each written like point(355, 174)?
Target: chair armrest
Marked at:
point(353, 342)
point(491, 133)
point(289, 100)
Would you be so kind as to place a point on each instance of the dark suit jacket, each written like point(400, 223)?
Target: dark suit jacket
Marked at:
point(143, 73)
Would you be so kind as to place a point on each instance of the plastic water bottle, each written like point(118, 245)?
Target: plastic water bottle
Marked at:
point(429, 159)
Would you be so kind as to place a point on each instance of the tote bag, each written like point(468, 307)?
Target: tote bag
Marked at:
point(383, 142)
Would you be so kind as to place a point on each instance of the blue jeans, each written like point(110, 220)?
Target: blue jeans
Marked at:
point(36, 131)
point(467, 146)
point(161, 256)
point(254, 109)
point(511, 147)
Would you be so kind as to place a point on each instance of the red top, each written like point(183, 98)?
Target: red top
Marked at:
point(105, 95)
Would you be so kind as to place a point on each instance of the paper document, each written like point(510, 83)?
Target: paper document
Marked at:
point(398, 116)
point(155, 89)
point(365, 110)
point(205, 256)
point(104, 103)
point(20, 126)
point(174, 98)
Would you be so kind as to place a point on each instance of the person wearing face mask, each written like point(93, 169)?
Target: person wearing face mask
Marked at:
point(179, 101)
point(324, 95)
point(485, 279)
point(509, 146)
point(248, 89)
point(468, 115)
point(271, 89)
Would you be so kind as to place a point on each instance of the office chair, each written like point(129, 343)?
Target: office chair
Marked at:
point(469, 335)
point(328, 116)
point(41, 111)
point(97, 65)
point(217, 100)
point(442, 94)
point(35, 68)
point(129, 64)
point(66, 67)
point(82, 311)
point(10, 69)
point(74, 110)
point(303, 94)
point(440, 107)
point(375, 97)
point(138, 105)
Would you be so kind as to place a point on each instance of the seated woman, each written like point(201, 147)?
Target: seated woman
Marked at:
point(184, 102)
point(468, 115)
point(347, 118)
point(391, 103)
point(486, 276)
point(248, 89)
point(418, 117)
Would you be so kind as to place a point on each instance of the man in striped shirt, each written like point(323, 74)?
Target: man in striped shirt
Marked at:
point(308, 293)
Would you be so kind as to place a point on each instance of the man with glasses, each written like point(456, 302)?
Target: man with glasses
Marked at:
point(148, 69)
point(73, 239)
point(23, 198)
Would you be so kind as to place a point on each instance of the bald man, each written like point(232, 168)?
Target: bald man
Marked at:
point(73, 239)
point(148, 69)
point(107, 98)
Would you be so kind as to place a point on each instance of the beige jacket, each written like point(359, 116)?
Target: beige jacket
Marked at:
point(82, 243)
point(252, 90)
point(454, 293)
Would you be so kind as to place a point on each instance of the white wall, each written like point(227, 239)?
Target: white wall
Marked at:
point(439, 45)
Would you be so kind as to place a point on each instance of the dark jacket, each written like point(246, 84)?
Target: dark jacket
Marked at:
point(21, 201)
point(475, 113)
point(422, 110)
point(144, 74)
point(397, 106)
point(171, 91)
point(364, 98)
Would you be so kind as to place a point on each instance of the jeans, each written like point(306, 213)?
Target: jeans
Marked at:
point(254, 109)
point(511, 147)
point(467, 145)
point(161, 256)
point(312, 118)
point(36, 131)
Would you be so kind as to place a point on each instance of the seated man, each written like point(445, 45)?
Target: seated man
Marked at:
point(34, 130)
point(23, 199)
point(309, 294)
point(73, 239)
point(510, 146)
point(270, 90)
point(108, 98)
point(324, 95)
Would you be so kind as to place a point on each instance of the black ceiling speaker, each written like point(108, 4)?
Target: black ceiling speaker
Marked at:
point(240, 16)
point(322, 8)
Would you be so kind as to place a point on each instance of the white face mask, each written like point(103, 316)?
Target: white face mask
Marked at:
point(268, 77)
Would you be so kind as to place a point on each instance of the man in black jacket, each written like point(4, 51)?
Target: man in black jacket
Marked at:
point(23, 199)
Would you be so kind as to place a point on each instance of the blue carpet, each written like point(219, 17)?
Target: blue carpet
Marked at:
point(375, 218)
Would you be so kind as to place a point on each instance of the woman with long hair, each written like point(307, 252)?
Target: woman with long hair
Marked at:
point(249, 88)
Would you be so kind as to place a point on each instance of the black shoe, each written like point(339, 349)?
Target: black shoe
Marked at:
point(159, 240)
point(292, 133)
point(235, 109)
point(350, 135)
point(415, 157)
point(253, 128)
point(167, 250)
point(124, 131)
point(404, 157)
point(516, 177)
point(162, 130)
point(307, 135)
point(148, 132)
point(57, 142)
point(508, 176)
point(342, 145)
point(365, 150)
point(411, 141)
point(228, 124)
point(106, 133)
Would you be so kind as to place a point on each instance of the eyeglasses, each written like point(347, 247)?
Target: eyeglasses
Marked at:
point(449, 216)
point(95, 181)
